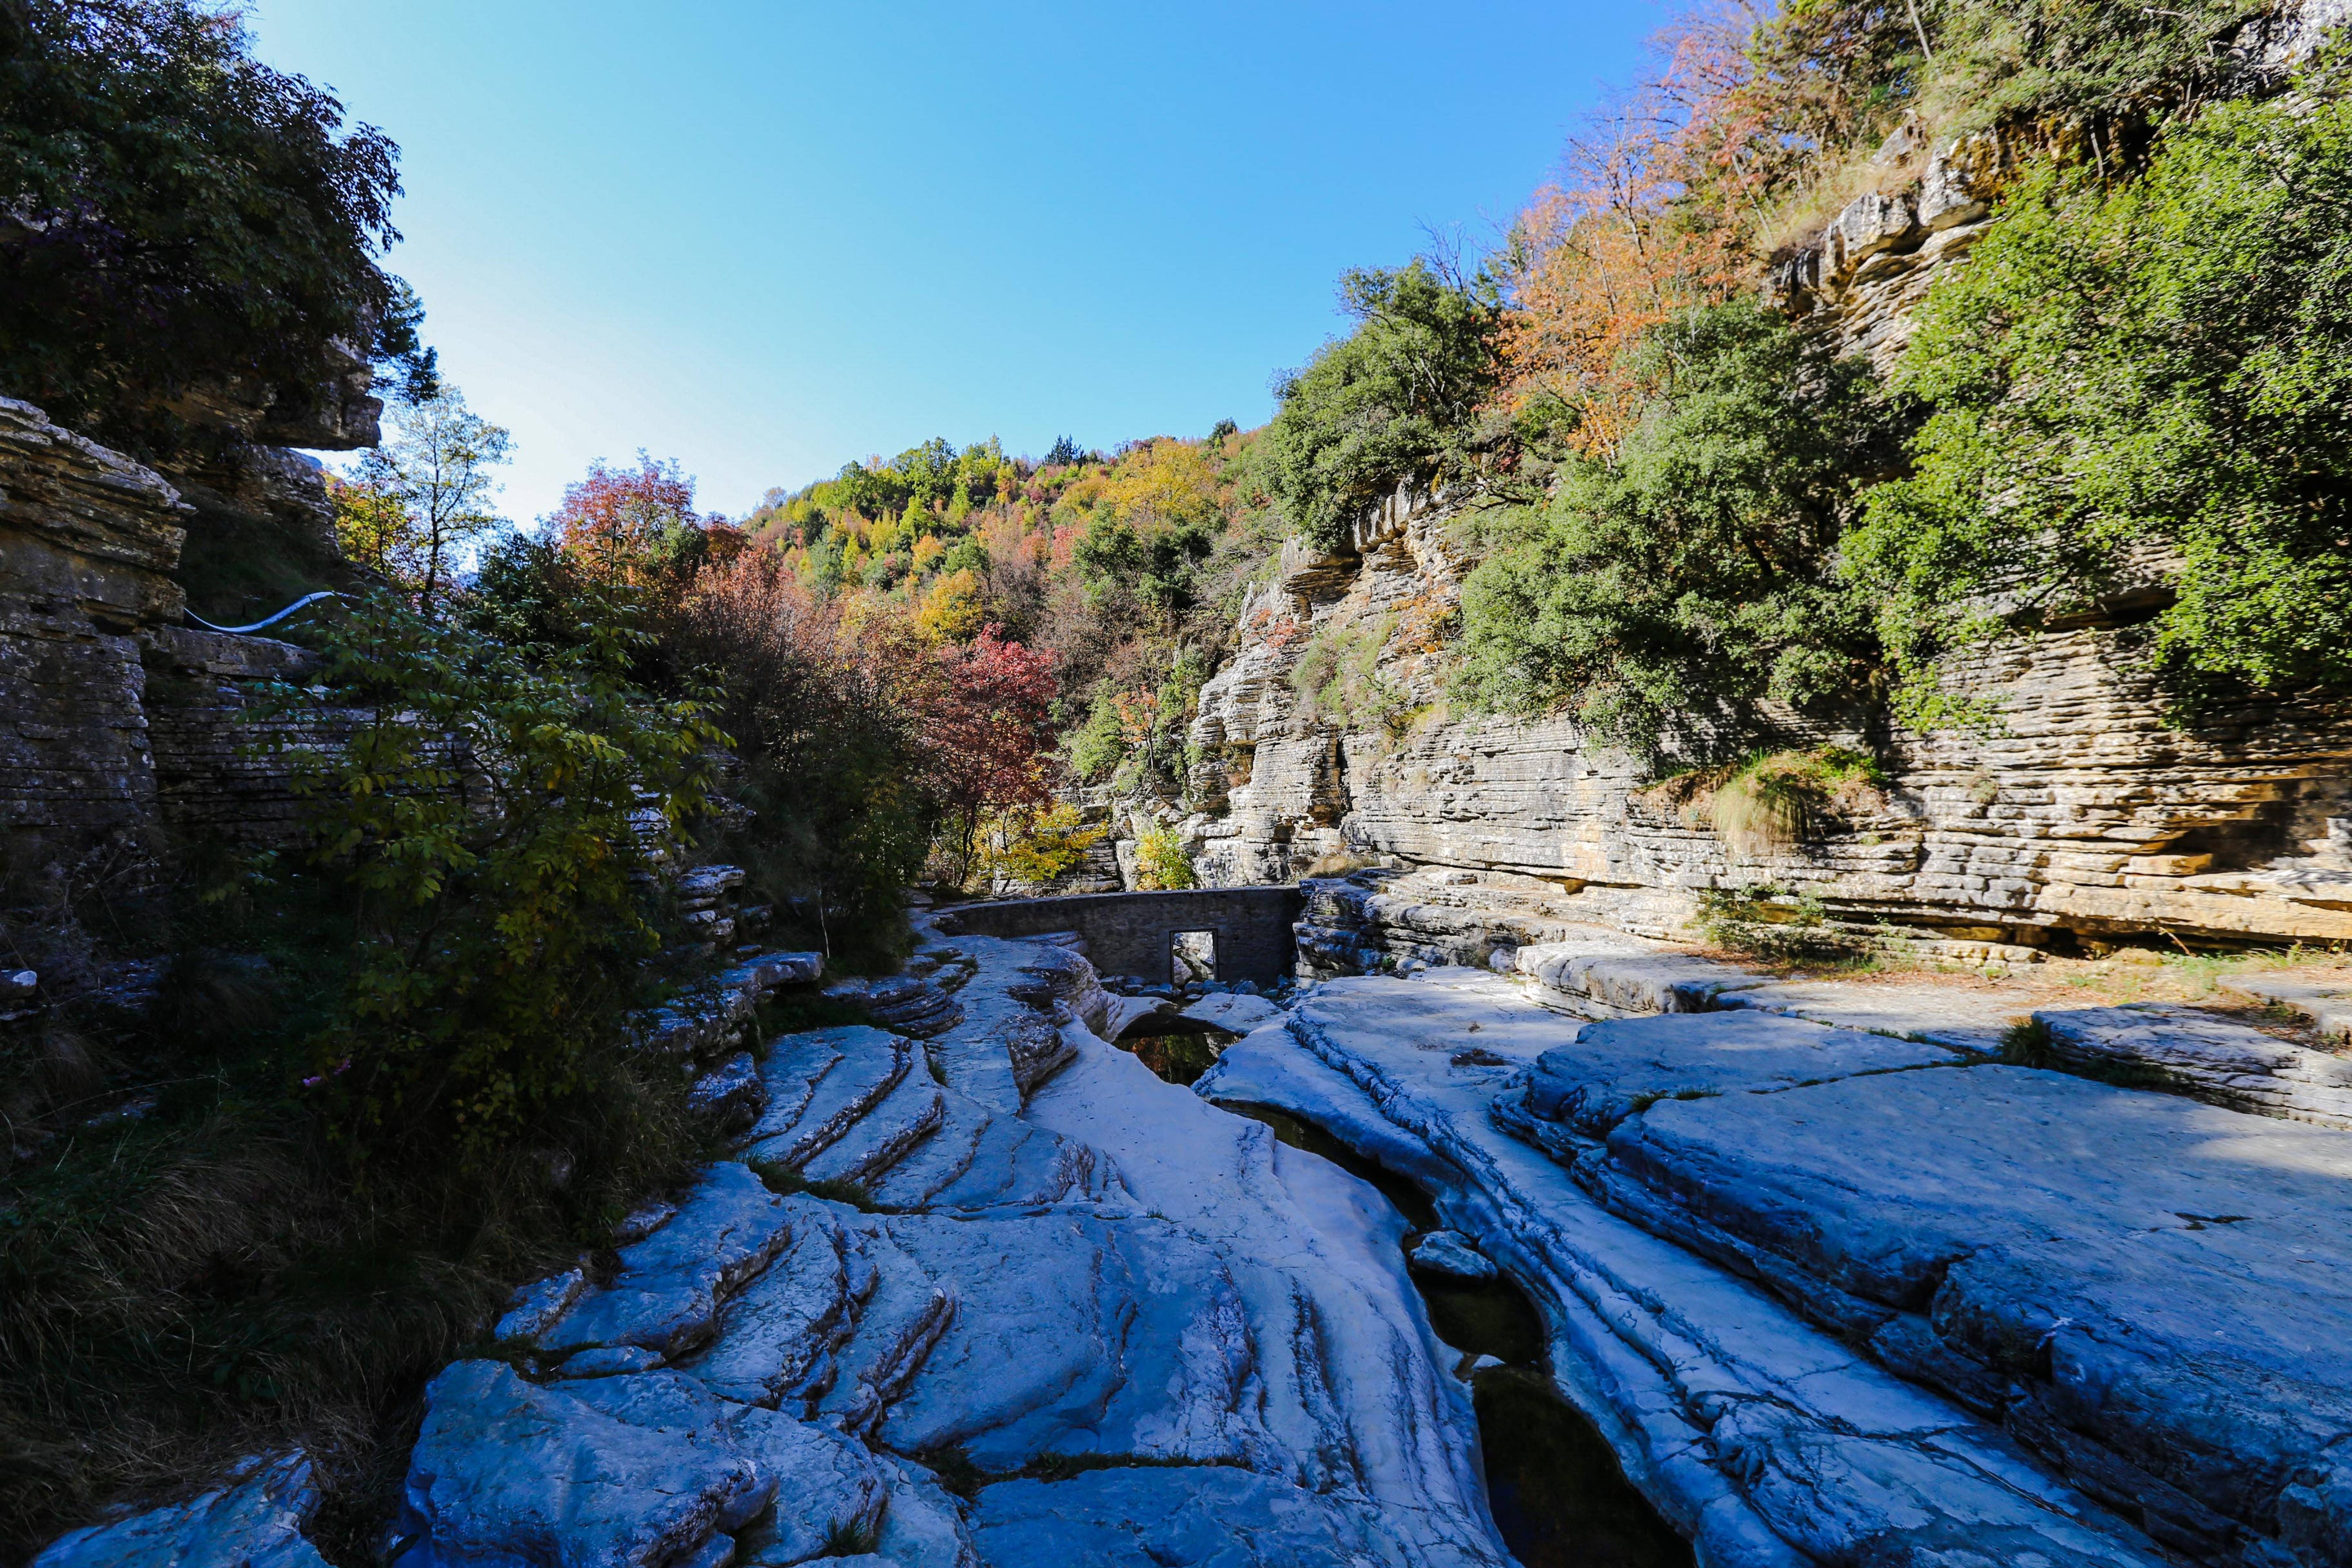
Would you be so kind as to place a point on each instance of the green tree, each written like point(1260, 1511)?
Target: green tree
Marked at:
point(1695, 573)
point(435, 467)
point(173, 213)
point(1389, 402)
point(491, 814)
point(2143, 396)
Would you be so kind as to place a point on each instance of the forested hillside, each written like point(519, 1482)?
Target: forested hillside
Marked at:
point(1127, 569)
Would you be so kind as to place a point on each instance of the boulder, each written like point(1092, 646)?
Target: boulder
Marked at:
point(1450, 1252)
point(255, 1521)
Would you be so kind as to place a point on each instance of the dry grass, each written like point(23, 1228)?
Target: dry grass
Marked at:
point(1336, 863)
point(211, 1280)
point(1772, 802)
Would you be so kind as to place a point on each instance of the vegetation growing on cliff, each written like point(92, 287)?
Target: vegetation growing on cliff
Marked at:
point(1388, 404)
point(1694, 571)
point(2139, 393)
point(1693, 513)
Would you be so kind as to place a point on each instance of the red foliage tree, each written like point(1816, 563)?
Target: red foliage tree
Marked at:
point(990, 730)
point(637, 525)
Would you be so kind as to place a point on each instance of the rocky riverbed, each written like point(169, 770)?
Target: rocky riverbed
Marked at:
point(1839, 1297)
point(1825, 1294)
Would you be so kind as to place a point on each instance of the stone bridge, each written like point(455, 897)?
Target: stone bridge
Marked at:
point(1131, 934)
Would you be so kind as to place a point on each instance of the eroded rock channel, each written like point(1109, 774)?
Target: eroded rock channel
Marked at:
point(1048, 1309)
point(1721, 1287)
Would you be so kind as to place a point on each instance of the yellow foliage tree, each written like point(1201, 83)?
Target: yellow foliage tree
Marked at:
point(951, 610)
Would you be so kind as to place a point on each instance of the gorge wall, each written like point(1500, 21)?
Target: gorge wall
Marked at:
point(2080, 817)
point(120, 724)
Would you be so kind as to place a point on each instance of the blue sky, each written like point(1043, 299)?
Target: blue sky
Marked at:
point(767, 239)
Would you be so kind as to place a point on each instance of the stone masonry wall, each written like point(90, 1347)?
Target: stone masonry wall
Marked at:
point(87, 540)
point(1128, 933)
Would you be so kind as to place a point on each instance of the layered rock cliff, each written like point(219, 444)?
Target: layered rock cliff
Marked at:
point(2081, 814)
point(120, 721)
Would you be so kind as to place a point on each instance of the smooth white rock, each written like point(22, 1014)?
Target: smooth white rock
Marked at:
point(255, 1523)
point(1450, 1252)
point(1233, 1011)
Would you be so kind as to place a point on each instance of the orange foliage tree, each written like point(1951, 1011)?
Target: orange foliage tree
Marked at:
point(638, 526)
point(1644, 222)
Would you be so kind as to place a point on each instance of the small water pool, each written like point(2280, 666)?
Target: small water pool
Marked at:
point(1560, 1497)
point(1176, 1048)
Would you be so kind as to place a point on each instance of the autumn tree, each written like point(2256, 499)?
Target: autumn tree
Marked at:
point(991, 734)
point(634, 525)
point(416, 507)
point(828, 715)
point(1632, 232)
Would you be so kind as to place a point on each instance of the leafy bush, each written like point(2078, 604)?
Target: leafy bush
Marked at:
point(1034, 844)
point(382, 1083)
point(1162, 861)
point(1388, 402)
point(1829, 73)
point(2138, 393)
point(1694, 574)
point(490, 813)
point(1766, 920)
point(1099, 745)
point(176, 212)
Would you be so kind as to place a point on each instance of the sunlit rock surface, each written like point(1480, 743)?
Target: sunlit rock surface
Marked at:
point(1001, 1296)
point(1841, 1296)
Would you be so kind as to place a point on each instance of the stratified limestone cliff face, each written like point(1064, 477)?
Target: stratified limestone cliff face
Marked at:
point(117, 724)
point(2082, 812)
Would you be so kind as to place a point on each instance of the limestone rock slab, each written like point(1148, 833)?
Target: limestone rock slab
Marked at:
point(1618, 1068)
point(1450, 1252)
point(1678, 1358)
point(634, 1472)
point(667, 1295)
point(257, 1521)
point(2206, 1056)
point(2161, 1281)
point(1133, 1518)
